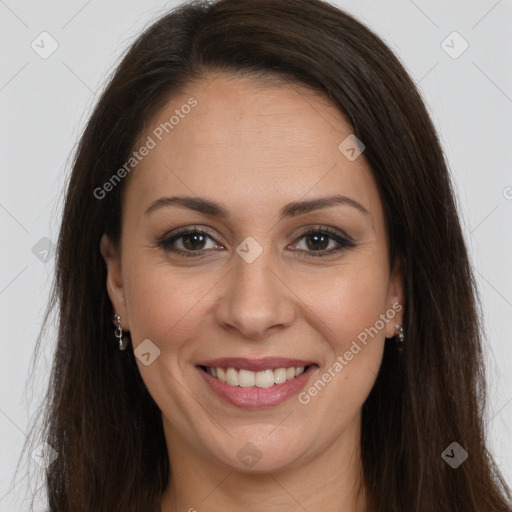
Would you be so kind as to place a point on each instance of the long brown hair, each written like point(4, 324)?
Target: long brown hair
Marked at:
point(99, 416)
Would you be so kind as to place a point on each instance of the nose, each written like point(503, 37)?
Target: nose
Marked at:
point(256, 299)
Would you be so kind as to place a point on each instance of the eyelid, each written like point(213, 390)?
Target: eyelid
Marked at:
point(344, 241)
point(168, 238)
point(339, 236)
point(337, 232)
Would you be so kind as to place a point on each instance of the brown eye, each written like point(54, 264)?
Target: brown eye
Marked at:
point(188, 242)
point(193, 241)
point(317, 242)
point(322, 242)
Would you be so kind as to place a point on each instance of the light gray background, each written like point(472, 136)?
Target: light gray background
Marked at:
point(45, 103)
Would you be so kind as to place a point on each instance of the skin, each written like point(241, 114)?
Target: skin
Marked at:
point(253, 148)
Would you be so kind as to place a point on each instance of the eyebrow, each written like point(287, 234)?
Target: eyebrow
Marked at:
point(293, 209)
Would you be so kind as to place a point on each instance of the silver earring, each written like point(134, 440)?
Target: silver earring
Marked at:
point(122, 340)
point(399, 332)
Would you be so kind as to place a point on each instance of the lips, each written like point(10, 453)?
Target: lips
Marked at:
point(260, 393)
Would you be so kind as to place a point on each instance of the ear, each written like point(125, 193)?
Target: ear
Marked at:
point(115, 286)
point(395, 299)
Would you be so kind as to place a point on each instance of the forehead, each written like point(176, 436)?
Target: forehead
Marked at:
point(244, 139)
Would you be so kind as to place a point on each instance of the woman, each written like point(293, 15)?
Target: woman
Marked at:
point(260, 217)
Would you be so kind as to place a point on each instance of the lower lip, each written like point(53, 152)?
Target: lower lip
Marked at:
point(254, 397)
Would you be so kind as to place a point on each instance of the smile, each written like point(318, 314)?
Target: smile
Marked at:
point(255, 384)
point(261, 379)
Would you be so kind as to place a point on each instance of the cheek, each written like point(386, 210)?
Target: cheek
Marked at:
point(166, 305)
point(349, 309)
point(347, 299)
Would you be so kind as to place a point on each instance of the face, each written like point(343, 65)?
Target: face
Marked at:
point(278, 260)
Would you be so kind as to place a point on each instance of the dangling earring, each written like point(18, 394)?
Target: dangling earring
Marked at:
point(122, 340)
point(399, 334)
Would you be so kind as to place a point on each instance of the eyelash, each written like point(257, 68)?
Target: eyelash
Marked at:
point(166, 242)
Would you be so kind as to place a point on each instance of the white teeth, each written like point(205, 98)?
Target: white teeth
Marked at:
point(246, 379)
point(262, 379)
point(279, 375)
point(232, 377)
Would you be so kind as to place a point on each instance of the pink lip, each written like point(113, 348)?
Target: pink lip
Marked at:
point(254, 397)
point(255, 365)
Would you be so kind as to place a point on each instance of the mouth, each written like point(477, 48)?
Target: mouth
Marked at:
point(255, 384)
point(239, 377)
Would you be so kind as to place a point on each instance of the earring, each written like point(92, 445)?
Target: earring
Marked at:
point(122, 340)
point(399, 332)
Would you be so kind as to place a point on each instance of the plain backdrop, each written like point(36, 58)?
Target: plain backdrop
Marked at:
point(45, 103)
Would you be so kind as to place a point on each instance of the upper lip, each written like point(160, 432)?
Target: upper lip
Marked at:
point(255, 365)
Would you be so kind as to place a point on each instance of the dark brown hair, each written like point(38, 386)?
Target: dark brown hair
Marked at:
point(99, 416)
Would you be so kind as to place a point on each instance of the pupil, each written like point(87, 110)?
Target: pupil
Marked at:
point(189, 241)
point(324, 241)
